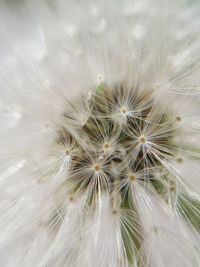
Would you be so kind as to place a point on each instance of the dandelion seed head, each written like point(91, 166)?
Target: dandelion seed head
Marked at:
point(123, 110)
point(97, 168)
point(142, 139)
point(132, 177)
point(100, 154)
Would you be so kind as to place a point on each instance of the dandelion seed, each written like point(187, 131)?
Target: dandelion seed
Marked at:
point(142, 139)
point(132, 177)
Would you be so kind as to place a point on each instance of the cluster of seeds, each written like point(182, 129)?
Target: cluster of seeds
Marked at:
point(112, 138)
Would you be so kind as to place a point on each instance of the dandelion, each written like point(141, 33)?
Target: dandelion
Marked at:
point(100, 130)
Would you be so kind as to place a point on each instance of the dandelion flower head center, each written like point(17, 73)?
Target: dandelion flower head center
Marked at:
point(115, 150)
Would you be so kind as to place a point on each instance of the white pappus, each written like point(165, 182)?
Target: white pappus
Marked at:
point(100, 133)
